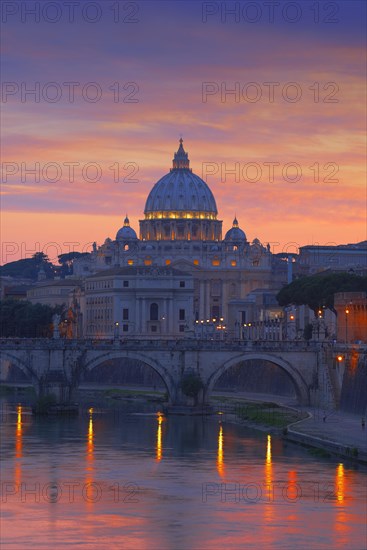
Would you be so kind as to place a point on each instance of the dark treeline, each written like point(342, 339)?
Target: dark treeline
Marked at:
point(318, 291)
point(22, 319)
point(29, 268)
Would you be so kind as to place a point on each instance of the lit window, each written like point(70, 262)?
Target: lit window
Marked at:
point(196, 262)
point(168, 262)
point(130, 262)
point(233, 263)
point(147, 262)
point(215, 262)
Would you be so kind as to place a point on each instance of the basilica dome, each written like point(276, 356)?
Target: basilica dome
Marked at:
point(235, 233)
point(180, 206)
point(180, 193)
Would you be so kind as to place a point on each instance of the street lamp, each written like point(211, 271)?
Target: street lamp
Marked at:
point(346, 325)
point(116, 330)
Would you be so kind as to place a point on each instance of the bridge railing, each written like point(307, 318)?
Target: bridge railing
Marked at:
point(167, 344)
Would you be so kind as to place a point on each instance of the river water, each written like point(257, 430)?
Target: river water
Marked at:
point(145, 481)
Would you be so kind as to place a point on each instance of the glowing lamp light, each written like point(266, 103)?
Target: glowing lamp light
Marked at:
point(340, 358)
point(291, 317)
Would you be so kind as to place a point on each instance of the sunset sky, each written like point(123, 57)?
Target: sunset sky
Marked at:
point(311, 118)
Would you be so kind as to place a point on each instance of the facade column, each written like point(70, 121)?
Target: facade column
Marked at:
point(137, 316)
point(223, 304)
point(170, 313)
point(201, 300)
point(143, 316)
point(207, 301)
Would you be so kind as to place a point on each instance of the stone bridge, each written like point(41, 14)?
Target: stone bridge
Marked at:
point(59, 365)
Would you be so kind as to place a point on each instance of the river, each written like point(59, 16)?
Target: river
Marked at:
point(144, 481)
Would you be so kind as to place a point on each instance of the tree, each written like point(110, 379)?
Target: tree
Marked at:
point(191, 384)
point(66, 261)
point(318, 291)
point(20, 318)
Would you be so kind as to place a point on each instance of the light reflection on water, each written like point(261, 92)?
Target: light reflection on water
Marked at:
point(135, 481)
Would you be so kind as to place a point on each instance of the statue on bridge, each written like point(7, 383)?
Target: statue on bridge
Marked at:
point(319, 330)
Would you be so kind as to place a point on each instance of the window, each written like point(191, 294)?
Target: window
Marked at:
point(216, 262)
point(233, 263)
point(168, 262)
point(182, 314)
point(154, 312)
point(147, 262)
point(196, 262)
point(215, 312)
point(125, 284)
point(125, 314)
point(153, 328)
point(182, 284)
point(125, 328)
point(130, 262)
point(243, 317)
point(181, 328)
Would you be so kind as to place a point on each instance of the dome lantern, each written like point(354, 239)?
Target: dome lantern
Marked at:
point(181, 159)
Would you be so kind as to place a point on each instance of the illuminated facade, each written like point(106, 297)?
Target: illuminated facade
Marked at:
point(147, 301)
point(180, 229)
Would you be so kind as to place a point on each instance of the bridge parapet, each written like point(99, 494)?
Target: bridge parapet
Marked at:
point(168, 344)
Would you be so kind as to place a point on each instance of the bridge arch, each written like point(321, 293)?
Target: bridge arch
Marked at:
point(165, 375)
point(22, 364)
point(300, 385)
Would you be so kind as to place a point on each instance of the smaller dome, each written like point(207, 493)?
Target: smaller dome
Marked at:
point(235, 233)
point(126, 232)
